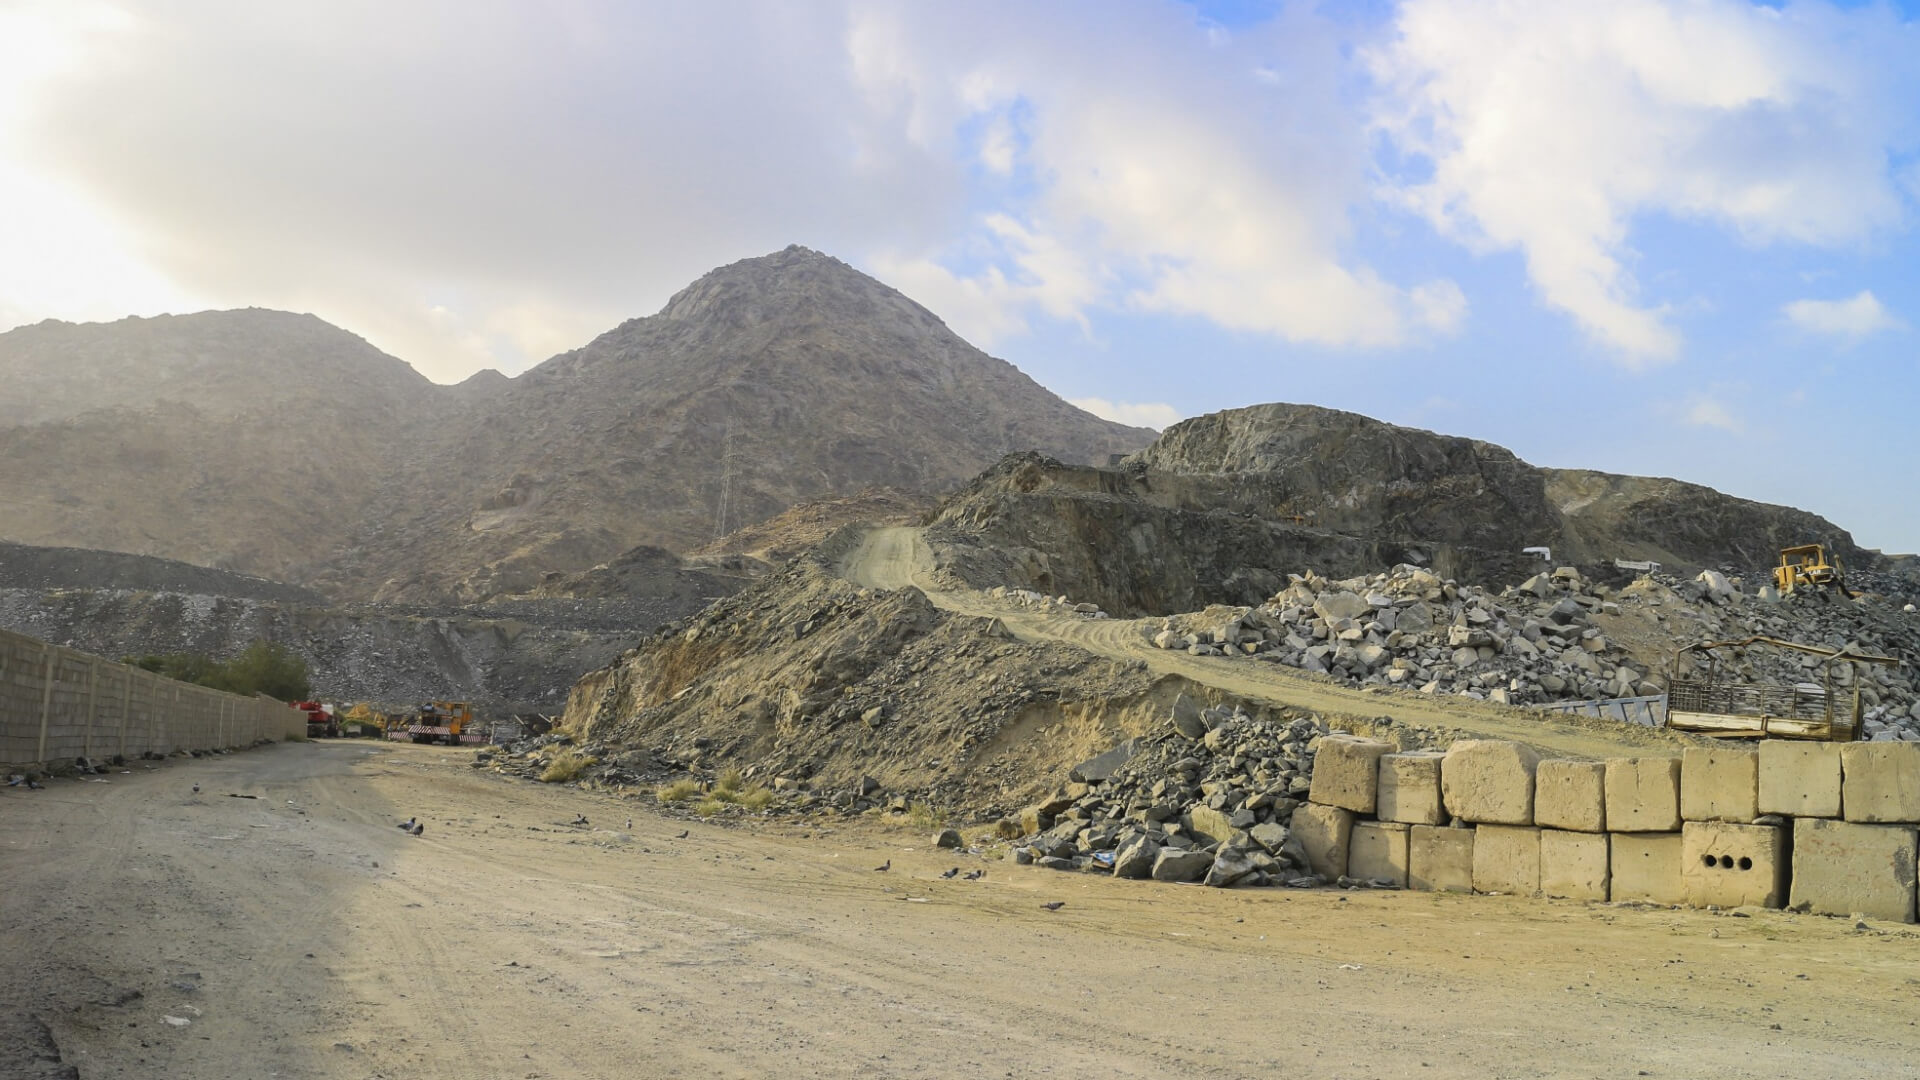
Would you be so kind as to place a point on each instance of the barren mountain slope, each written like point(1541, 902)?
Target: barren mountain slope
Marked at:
point(768, 382)
point(1220, 504)
point(249, 440)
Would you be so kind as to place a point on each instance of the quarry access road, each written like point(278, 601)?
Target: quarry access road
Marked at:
point(898, 557)
point(299, 935)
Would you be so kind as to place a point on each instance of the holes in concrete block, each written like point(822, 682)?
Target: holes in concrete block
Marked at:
point(1725, 862)
point(1746, 863)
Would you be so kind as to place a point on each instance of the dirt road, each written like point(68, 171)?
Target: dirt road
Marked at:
point(300, 934)
point(894, 558)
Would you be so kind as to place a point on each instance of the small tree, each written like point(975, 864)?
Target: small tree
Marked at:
point(266, 668)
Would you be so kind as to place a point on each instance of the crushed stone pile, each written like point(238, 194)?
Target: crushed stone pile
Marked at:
point(1558, 636)
point(1411, 628)
point(1205, 799)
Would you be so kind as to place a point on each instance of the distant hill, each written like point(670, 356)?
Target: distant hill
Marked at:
point(766, 383)
point(275, 444)
point(1222, 506)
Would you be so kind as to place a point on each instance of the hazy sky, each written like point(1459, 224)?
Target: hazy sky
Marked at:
point(1672, 237)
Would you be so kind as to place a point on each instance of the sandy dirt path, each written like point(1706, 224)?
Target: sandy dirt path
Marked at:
point(894, 558)
point(507, 943)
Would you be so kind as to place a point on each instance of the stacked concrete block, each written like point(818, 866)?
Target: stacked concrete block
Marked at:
point(1506, 859)
point(1729, 865)
point(1720, 783)
point(1643, 795)
point(1440, 859)
point(1346, 772)
point(1574, 865)
point(1571, 795)
point(1489, 781)
point(1840, 868)
point(1323, 834)
point(1645, 867)
point(1800, 779)
point(1377, 851)
point(1409, 789)
point(1880, 782)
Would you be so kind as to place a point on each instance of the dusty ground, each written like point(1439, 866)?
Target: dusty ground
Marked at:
point(302, 935)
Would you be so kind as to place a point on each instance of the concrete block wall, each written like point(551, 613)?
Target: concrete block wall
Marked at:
point(57, 704)
point(1824, 828)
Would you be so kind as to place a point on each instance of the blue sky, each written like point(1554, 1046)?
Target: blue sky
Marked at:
point(1672, 237)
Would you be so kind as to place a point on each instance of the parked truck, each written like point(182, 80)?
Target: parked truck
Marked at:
point(321, 723)
point(441, 722)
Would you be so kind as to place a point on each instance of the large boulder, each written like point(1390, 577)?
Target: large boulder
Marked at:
point(1334, 606)
point(1100, 769)
point(1176, 864)
point(1136, 857)
point(1187, 719)
point(1229, 867)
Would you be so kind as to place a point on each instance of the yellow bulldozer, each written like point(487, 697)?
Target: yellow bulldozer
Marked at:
point(1807, 566)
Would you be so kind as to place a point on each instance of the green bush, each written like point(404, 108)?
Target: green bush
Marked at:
point(262, 668)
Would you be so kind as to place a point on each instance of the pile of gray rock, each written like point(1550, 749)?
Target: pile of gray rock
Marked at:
point(1049, 604)
point(1410, 628)
point(1206, 799)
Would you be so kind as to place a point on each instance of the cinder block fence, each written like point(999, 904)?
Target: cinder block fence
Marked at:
point(58, 704)
point(1829, 828)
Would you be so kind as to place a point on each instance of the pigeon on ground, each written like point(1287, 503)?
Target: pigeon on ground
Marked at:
point(196, 789)
point(951, 873)
point(682, 835)
point(419, 827)
point(579, 819)
point(629, 823)
point(407, 825)
point(975, 875)
point(1055, 905)
point(883, 867)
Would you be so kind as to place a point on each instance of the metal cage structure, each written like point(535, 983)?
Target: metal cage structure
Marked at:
point(1819, 711)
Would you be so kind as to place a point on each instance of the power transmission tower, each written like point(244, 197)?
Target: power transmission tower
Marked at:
point(726, 483)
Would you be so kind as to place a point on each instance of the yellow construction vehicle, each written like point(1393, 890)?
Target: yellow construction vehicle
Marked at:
point(440, 721)
point(1807, 565)
point(1707, 702)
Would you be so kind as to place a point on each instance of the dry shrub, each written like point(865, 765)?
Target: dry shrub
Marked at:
point(678, 791)
point(566, 765)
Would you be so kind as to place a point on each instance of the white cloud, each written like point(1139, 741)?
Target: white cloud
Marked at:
point(1707, 411)
point(1156, 415)
point(1855, 317)
point(1182, 169)
point(1551, 126)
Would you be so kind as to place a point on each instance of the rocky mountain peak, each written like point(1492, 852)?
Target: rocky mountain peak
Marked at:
point(793, 286)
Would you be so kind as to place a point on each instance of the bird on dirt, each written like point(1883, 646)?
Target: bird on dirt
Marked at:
point(407, 825)
point(629, 823)
point(951, 873)
point(579, 819)
point(1054, 905)
point(419, 827)
point(883, 867)
point(196, 789)
point(975, 875)
point(682, 835)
